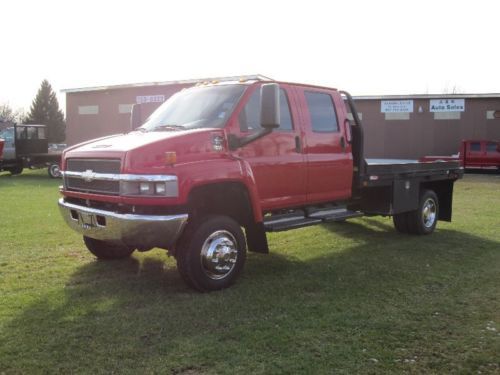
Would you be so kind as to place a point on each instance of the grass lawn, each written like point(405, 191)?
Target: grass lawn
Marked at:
point(353, 297)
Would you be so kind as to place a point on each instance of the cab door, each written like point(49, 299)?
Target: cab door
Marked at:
point(327, 153)
point(475, 154)
point(276, 159)
point(492, 157)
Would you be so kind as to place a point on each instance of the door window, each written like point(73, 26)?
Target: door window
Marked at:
point(475, 146)
point(249, 117)
point(322, 112)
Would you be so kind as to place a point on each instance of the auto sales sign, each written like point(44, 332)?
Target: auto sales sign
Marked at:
point(447, 105)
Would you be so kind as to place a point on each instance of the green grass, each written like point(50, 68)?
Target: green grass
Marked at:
point(355, 297)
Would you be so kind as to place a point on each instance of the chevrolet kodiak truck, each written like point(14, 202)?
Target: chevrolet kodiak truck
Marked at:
point(218, 165)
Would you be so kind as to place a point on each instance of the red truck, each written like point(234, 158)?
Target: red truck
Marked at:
point(474, 154)
point(218, 165)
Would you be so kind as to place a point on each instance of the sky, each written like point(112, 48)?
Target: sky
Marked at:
point(364, 47)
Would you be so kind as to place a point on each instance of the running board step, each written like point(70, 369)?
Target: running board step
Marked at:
point(336, 214)
point(278, 223)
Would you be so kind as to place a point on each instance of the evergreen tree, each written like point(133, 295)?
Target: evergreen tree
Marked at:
point(45, 110)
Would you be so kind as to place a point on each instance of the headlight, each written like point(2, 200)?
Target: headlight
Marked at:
point(155, 187)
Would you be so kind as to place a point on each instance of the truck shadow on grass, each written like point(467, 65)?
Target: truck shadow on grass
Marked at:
point(328, 298)
point(29, 177)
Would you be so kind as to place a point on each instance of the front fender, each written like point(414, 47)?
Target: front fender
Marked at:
point(196, 174)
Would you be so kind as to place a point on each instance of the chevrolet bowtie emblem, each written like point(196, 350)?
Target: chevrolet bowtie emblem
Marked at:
point(88, 175)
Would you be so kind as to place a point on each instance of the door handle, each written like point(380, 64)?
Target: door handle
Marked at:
point(298, 147)
point(342, 143)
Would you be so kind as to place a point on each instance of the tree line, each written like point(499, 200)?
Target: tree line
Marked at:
point(44, 110)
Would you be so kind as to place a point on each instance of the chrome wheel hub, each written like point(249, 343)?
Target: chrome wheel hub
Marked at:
point(429, 213)
point(218, 254)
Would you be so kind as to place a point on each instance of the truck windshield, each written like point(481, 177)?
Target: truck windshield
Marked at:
point(199, 107)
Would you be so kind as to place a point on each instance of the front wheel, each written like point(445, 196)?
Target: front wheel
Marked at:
point(211, 253)
point(105, 250)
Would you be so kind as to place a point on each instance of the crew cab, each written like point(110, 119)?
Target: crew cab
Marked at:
point(474, 154)
point(218, 165)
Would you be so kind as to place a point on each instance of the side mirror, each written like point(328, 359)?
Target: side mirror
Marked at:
point(270, 106)
point(135, 116)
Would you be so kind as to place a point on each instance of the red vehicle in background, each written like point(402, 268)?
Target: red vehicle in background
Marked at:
point(217, 166)
point(474, 154)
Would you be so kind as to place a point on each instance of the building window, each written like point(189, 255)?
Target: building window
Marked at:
point(390, 116)
point(125, 108)
point(88, 110)
point(492, 115)
point(475, 146)
point(321, 112)
point(447, 115)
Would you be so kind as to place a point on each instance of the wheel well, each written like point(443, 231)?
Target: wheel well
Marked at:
point(444, 192)
point(229, 199)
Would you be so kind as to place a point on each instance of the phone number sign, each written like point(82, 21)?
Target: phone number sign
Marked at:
point(396, 106)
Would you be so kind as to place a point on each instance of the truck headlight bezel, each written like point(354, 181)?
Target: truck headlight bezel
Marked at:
point(149, 186)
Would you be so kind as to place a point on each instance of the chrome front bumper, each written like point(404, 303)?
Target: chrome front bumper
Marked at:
point(139, 231)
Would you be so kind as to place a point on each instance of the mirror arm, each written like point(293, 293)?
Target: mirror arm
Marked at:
point(235, 142)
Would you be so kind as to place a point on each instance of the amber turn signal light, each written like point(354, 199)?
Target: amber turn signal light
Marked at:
point(170, 158)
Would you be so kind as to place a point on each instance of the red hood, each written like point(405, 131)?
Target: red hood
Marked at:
point(134, 140)
point(145, 152)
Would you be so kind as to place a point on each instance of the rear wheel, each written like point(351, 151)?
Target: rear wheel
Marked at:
point(16, 170)
point(424, 219)
point(211, 253)
point(105, 250)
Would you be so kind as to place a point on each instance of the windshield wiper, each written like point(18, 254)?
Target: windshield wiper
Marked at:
point(168, 127)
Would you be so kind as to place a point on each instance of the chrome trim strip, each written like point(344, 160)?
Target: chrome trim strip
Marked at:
point(140, 231)
point(120, 177)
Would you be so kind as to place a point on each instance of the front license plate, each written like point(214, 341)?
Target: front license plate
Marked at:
point(86, 220)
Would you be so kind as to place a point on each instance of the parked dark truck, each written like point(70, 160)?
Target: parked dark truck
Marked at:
point(26, 146)
point(262, 156)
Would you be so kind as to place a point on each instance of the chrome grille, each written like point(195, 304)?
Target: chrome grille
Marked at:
point(111, 166)
point(95, 165)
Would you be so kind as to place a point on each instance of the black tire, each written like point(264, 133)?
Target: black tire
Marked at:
point(106, 251)
point(218, 237)
point(424, 219)
point(401, 222)
point(15, 170)
point(54, 171)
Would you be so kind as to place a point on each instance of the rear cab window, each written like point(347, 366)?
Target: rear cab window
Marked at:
point(492, 147)
point(322, 112)
point(249, 116)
